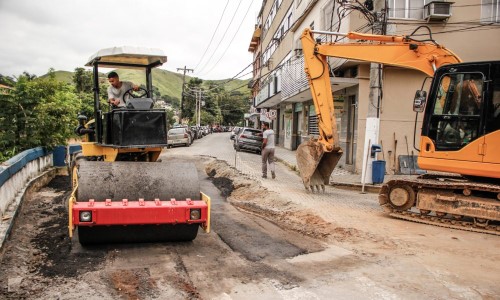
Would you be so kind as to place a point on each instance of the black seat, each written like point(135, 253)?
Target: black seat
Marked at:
point(140, 103)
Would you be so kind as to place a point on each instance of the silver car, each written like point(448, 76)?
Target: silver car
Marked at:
point(178, 136)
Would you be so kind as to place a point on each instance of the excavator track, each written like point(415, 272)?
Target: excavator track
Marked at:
point(436, 199)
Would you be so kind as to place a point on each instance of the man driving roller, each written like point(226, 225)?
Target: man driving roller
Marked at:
point(117, 89)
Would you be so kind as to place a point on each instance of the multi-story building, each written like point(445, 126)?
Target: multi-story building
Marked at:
point(470, 28)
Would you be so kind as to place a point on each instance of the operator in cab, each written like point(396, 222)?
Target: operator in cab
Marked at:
point(117, 89)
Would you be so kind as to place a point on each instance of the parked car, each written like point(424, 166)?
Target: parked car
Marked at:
point(178, 136)
point(188, 129)
point(197, 132)
point(235, 131)
point(248, 139)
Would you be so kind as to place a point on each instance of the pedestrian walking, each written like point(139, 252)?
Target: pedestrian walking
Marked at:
point(268, 150)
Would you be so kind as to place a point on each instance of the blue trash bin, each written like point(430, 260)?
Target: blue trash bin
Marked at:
point(378, 171)
point(59, 155)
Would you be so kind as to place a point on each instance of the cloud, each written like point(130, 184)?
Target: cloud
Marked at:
point(43, 34)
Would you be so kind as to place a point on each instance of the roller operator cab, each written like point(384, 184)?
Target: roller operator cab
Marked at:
point(121, 192)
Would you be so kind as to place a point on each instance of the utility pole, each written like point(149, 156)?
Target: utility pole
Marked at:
point(185, 69)
point(199, 111)
point(372, 126)
point(198, 94)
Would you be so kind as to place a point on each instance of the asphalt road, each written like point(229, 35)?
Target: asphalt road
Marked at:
point(252, 252)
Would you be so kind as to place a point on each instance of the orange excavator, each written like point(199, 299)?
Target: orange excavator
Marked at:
point(460, 131)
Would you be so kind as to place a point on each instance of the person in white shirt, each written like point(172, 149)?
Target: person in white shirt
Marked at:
point(268, 150)
point(117, 88)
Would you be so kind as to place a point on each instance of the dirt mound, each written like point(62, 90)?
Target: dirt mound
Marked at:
point(251, 196)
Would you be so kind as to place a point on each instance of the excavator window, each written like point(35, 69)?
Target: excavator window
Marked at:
point(493, 117)
point(457, 110)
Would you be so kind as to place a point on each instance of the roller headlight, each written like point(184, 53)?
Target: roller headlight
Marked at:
point(195, 214)
point(85, 216)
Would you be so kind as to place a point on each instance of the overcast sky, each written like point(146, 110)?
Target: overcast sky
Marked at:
point(62, 34)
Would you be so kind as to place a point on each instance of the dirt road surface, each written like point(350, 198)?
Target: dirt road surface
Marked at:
point(269, 240)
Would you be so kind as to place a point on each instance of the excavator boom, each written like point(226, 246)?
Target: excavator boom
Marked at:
point(317, 158)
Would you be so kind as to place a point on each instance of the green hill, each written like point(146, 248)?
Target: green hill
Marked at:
point(64, 76)
point(169, 83)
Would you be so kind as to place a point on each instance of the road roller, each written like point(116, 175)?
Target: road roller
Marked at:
point(121, 191)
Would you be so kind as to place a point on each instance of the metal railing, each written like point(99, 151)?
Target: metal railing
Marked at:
point(293, 78)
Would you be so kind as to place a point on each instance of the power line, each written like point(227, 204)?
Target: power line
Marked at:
point(273, 42)
point(213, 35)
point(223, 36)
point(232, 39)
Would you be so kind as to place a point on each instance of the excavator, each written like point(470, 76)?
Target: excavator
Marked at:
point(460, 134)
point(121, 191)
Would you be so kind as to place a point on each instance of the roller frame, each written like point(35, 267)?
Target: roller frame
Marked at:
point(140, 212)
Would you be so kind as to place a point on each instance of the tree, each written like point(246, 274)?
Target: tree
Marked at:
point(38, 112)
point(220, 106)
point(193, 85)
point(233, 108)
point(7, 80)
point(170, 118)
point(83, 80)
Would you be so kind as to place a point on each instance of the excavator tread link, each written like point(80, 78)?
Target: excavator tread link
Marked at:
point(446, 183)
point(445, 222)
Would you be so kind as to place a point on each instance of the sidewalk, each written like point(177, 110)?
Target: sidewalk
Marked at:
point(339, 177)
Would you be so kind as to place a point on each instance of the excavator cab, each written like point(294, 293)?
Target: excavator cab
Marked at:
point(122, 192)
point(459, 129)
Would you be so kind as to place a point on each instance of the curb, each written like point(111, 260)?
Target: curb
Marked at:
point(289, 165)
point(341, 185)
point(369, 188)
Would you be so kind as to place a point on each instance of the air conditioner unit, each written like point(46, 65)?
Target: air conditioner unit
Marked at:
point(437, 10)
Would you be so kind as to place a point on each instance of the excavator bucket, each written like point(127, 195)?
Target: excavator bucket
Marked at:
point(315, 164)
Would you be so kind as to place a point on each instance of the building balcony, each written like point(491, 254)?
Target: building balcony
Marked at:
point(293, 78)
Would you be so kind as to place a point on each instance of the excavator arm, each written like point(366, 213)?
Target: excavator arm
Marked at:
point(317, 158)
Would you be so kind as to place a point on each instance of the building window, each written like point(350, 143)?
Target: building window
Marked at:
point(490, 11)
point(406, 9)
point(455, 121)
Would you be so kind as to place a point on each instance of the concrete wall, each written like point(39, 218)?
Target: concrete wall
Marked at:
point(477, 45)
point(18, 171)
point(397, 118)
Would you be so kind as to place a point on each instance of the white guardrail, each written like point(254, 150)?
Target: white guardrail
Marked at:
point(17, 172)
